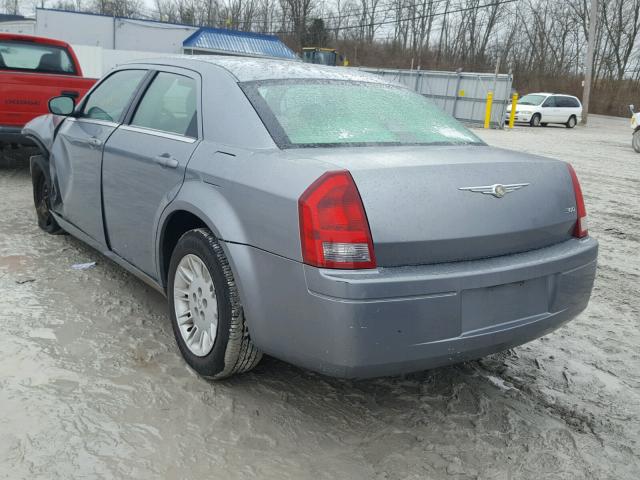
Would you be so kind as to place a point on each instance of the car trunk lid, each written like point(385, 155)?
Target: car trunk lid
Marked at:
point(426, 205)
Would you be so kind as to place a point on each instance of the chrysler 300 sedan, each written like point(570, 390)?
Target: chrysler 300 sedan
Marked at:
point(319, 215)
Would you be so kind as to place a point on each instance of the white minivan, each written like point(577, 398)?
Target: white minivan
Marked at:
point(543, 108)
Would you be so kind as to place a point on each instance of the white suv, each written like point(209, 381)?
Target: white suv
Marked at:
point(542, 108)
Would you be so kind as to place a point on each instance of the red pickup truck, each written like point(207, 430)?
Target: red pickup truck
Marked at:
point(32, 70)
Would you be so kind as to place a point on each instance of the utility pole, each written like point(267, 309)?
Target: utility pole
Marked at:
point(588, 68)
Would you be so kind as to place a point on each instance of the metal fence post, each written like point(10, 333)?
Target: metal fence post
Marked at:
point(457, 92)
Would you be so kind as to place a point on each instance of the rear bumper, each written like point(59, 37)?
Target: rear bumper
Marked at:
point(14, 135)
point(397, 320)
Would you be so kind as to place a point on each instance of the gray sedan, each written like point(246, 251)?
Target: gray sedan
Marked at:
point(316, 214)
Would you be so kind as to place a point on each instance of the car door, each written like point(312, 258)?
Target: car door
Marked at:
point(549, 110)
point(78, 147)
point(145, 161)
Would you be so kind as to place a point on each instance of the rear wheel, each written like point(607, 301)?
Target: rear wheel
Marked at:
point(42, 201)
point(572, 122)
point(635, 141)
point(535, 120)
point(206, 314)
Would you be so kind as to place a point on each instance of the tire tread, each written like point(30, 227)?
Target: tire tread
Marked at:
point(241, 355)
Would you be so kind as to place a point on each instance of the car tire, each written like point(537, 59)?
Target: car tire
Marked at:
point(42, 200)
point(203, 282)
point(572, 122)
point(635, 141)
point(535, 120)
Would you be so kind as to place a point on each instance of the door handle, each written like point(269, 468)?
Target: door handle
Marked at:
point(166, 160)
point(95, 141)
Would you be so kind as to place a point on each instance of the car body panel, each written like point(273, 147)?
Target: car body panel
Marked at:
point(434, 221)
point(460, 273)
point(132, 203)
point(401, 319)
point(78, 173)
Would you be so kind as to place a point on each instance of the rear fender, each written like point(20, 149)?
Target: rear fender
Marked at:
point(212, 208)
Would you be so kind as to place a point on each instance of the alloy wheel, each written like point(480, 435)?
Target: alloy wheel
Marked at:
point(195, 305)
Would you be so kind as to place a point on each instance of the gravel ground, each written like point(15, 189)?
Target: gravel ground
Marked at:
point(92, 384)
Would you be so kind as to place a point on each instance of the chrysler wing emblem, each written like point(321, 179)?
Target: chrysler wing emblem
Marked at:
point(498, 190)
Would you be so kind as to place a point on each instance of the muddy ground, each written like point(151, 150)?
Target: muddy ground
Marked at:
point(92, 384)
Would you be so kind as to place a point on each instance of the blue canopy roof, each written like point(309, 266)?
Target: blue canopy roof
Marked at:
point(235, 42)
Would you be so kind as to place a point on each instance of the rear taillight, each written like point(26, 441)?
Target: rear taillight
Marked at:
point(580, 230)
point(334, 230)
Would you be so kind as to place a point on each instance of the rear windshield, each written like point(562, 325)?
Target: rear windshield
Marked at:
point(322, 113)
point(35, 57)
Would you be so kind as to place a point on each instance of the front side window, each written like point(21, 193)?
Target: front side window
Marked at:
point(110, 99)
point(35, 57)
point(303, 113)
point(169, 105)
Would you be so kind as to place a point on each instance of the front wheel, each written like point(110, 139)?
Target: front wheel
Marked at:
point(572, 122)
point(206, 314)
point(635, 141)
point(42, 202)
point(535, 120)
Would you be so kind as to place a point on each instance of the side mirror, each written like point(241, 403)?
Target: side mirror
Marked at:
point(62, 106)
point(632, 109)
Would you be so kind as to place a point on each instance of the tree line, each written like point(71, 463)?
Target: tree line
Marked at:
point(542, 42)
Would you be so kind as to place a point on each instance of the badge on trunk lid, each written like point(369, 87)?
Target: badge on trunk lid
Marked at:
point(497, 190)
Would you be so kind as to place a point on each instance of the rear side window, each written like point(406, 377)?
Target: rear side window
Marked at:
point(35, 57)
point(169, 105)
point(568, 102)
point(110, 99)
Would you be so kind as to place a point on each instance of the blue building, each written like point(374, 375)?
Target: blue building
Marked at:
point(234, 42)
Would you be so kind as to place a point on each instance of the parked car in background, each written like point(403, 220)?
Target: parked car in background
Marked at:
point(538, 109)
point(320, 215)
point(33, 70)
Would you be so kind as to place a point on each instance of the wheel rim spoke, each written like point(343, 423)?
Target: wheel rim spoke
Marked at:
point(195, 305)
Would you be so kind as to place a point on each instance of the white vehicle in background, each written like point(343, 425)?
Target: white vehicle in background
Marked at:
point(635, 125)
point(543, 108)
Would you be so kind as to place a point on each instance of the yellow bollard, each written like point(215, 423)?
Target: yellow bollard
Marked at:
point(487, 114)
point(512, 117)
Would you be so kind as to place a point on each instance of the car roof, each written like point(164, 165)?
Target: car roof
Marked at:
point(246, 69)
point(553, 94)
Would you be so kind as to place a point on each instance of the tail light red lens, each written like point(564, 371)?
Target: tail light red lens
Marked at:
point(334, 230)
point(581, 224)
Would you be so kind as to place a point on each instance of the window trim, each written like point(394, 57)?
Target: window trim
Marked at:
point(159, 133)
point(137, 100)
